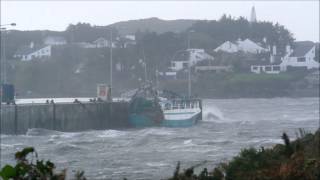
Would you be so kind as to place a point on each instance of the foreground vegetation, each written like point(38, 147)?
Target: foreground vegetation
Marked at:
point(296, 160)
point(27, 169)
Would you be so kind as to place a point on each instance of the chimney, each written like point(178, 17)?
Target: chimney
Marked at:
point(288, 49)
point(272, 60)
point(265, 40)
point(274, 50)
point(31, 45)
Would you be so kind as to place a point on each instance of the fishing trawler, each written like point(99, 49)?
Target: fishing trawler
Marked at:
point(149, 107)
point(181, 112)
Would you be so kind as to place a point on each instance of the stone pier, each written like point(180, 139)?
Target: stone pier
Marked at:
point(67, 117)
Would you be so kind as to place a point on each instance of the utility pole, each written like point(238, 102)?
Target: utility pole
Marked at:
point(157, 79)
point(111, 63)
point(4, 61)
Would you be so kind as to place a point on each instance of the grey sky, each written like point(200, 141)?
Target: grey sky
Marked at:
point(300, 17)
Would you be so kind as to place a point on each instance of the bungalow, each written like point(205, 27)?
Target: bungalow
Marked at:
point(301, 55)
point(246, 46)
point(126, 41)
point(28, 53)
point(182, 58)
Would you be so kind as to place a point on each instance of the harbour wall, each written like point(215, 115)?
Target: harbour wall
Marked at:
point(66, 117)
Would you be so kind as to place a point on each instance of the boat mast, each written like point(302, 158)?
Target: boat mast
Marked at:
point(145, 65)
point(189, 68)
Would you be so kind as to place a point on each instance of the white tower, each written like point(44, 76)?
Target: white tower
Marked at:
point(253, 17)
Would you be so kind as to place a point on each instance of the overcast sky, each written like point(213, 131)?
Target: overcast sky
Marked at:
point(300, 17)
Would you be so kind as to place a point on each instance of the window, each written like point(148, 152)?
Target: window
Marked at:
point(301, 59)
point(276, 68)
point(267, 68)
point(173, 64)
point(255, 68)
point(185, 65)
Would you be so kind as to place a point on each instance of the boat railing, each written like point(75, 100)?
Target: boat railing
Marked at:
point(182, 104)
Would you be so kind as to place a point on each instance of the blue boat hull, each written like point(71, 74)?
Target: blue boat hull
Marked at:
point(138, 120)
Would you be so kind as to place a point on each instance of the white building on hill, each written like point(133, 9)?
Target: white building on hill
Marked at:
point(28, 53)
point(102, 43)
point(301, 55)
point(182, 59)
point(246, 46)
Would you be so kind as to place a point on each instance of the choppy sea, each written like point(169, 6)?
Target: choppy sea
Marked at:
point(228, 126)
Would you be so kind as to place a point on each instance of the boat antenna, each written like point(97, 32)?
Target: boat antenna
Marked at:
point(144, 65)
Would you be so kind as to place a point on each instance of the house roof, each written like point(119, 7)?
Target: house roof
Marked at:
point(243, 45)
point(181, 56)
point(300, 48)
point(100, 39)
point(25, 50)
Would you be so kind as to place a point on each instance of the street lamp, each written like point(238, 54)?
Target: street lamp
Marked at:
point(11, 24)
point(3, 62)
point(3, 55)
point(111, 63)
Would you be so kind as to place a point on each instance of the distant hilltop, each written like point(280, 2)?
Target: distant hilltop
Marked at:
point(153, 25)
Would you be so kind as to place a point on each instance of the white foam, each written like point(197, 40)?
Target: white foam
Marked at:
point(187, 142)
point(156, 131)
point(111, 133)
point(212, 113)
point(156, 164)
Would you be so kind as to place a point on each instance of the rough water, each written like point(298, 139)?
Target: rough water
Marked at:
point(152, 153)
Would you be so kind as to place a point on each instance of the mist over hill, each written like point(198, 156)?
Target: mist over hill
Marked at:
point(153, 25)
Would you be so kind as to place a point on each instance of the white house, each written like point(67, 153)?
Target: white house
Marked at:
point(131, 37)
point(28, 53)
point(102, 43)
point(268, 67)
point(54, 40)
point(182, 58)
point(301, 55)
point(85, 45)
point(246, 46)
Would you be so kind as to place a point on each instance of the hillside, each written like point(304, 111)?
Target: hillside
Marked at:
point(153, 24)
